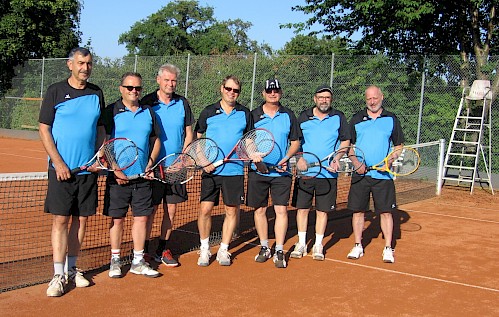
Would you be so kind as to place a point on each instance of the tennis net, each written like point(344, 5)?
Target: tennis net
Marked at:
point(25, 243)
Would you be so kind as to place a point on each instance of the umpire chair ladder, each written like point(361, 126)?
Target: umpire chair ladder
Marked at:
point(471, 138)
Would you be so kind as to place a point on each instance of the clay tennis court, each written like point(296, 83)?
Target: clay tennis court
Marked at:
point(445, 266)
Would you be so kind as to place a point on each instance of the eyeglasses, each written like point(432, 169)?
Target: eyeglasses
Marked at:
point(235, 90)
point(273, 90)
point(324, 97)
point(130, 88)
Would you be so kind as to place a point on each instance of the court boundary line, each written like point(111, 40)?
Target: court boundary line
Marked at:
point(28, 157)
point(418, 276)
point(456, 217)
point(435, 279)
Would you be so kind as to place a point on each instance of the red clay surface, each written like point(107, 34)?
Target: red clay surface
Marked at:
point(20, 155)
point(445, 266)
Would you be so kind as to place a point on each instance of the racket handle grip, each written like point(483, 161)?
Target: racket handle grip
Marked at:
point(218, 163)
point(132, 177)
point(77, 170)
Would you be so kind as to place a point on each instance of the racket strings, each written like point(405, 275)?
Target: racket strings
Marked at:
point(406, 163)
point(305, 165)
point(350, 160)
point(118, 155)
point(174, 168)
point(203, 151)
point(256, 142)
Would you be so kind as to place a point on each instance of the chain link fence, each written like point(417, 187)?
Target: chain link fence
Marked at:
point(424, 92)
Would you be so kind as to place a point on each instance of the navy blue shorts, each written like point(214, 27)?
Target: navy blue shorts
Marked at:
point(382, 190)
point(76, 196)
point(137, 194)
point(323, 189)
point(259, 187)
point(167, 193)
point(232, 188)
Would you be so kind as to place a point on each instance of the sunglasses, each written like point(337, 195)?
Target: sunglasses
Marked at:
point(235, 90)
point(273, 90)
point(130, 88)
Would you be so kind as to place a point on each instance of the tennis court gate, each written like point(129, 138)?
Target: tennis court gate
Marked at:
point(470, 148)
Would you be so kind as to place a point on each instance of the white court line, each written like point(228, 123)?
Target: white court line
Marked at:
point(397, 272)
point(417, 276)
point(30, 157)
point(451, 216)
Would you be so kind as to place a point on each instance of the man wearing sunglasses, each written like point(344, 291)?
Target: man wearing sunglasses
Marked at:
point(225, 122)
point(175, 118)
point(127, 118)
point(281, 121)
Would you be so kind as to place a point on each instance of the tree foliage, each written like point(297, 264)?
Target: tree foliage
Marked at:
point(35, 29)
point(312, 45)
point(183, 27)
point(422, 27)
point(412, 27)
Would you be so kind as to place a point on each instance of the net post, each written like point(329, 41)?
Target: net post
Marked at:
point(441, 155)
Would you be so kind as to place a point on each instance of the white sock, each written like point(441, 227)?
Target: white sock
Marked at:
point(264, 243)
point(279, 247)
point(205, 243)
point(302, 237)
point(137, 256)
point(115, 254)
point(224, 246)
point(59, 268)
point(318, 239)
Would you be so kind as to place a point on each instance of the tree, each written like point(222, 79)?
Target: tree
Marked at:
point(426, 27)
point(183, 27)
point(311, 45)
point(35, 29)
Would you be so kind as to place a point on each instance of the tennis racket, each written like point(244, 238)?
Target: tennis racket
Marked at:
point(257, 142)
point(114, 155)
point(302, 165)
point(175, 168)
point(400, 162)
point(204, 151)
point(348, 159)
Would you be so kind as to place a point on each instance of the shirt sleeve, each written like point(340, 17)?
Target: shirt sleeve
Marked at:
point(201, 125)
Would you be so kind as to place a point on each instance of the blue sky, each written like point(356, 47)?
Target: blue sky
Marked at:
point(103, 21)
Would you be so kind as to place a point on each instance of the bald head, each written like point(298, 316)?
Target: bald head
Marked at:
point(374, 99)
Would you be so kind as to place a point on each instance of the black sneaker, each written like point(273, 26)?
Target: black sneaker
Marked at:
point(279, 260)
point(263, 255)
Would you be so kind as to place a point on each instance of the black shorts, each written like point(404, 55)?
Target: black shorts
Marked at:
point(137, 194)
point(259, 186)
point(232, 188)
point(383, 192)
point(170, 194)
point(76, 196)
point(324, 190)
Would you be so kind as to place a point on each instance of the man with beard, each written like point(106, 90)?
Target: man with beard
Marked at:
point(324, 130)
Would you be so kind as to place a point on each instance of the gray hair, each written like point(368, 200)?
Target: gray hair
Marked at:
point(78, 50)
point(169, 68)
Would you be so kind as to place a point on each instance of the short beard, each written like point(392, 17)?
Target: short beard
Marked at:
point(323, 108)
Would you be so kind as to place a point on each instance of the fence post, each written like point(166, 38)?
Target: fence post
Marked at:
point(41, 84)
point(331, 80)
point(187, 74)
point(135, 64)
point(253, 82)
point(421, 101)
